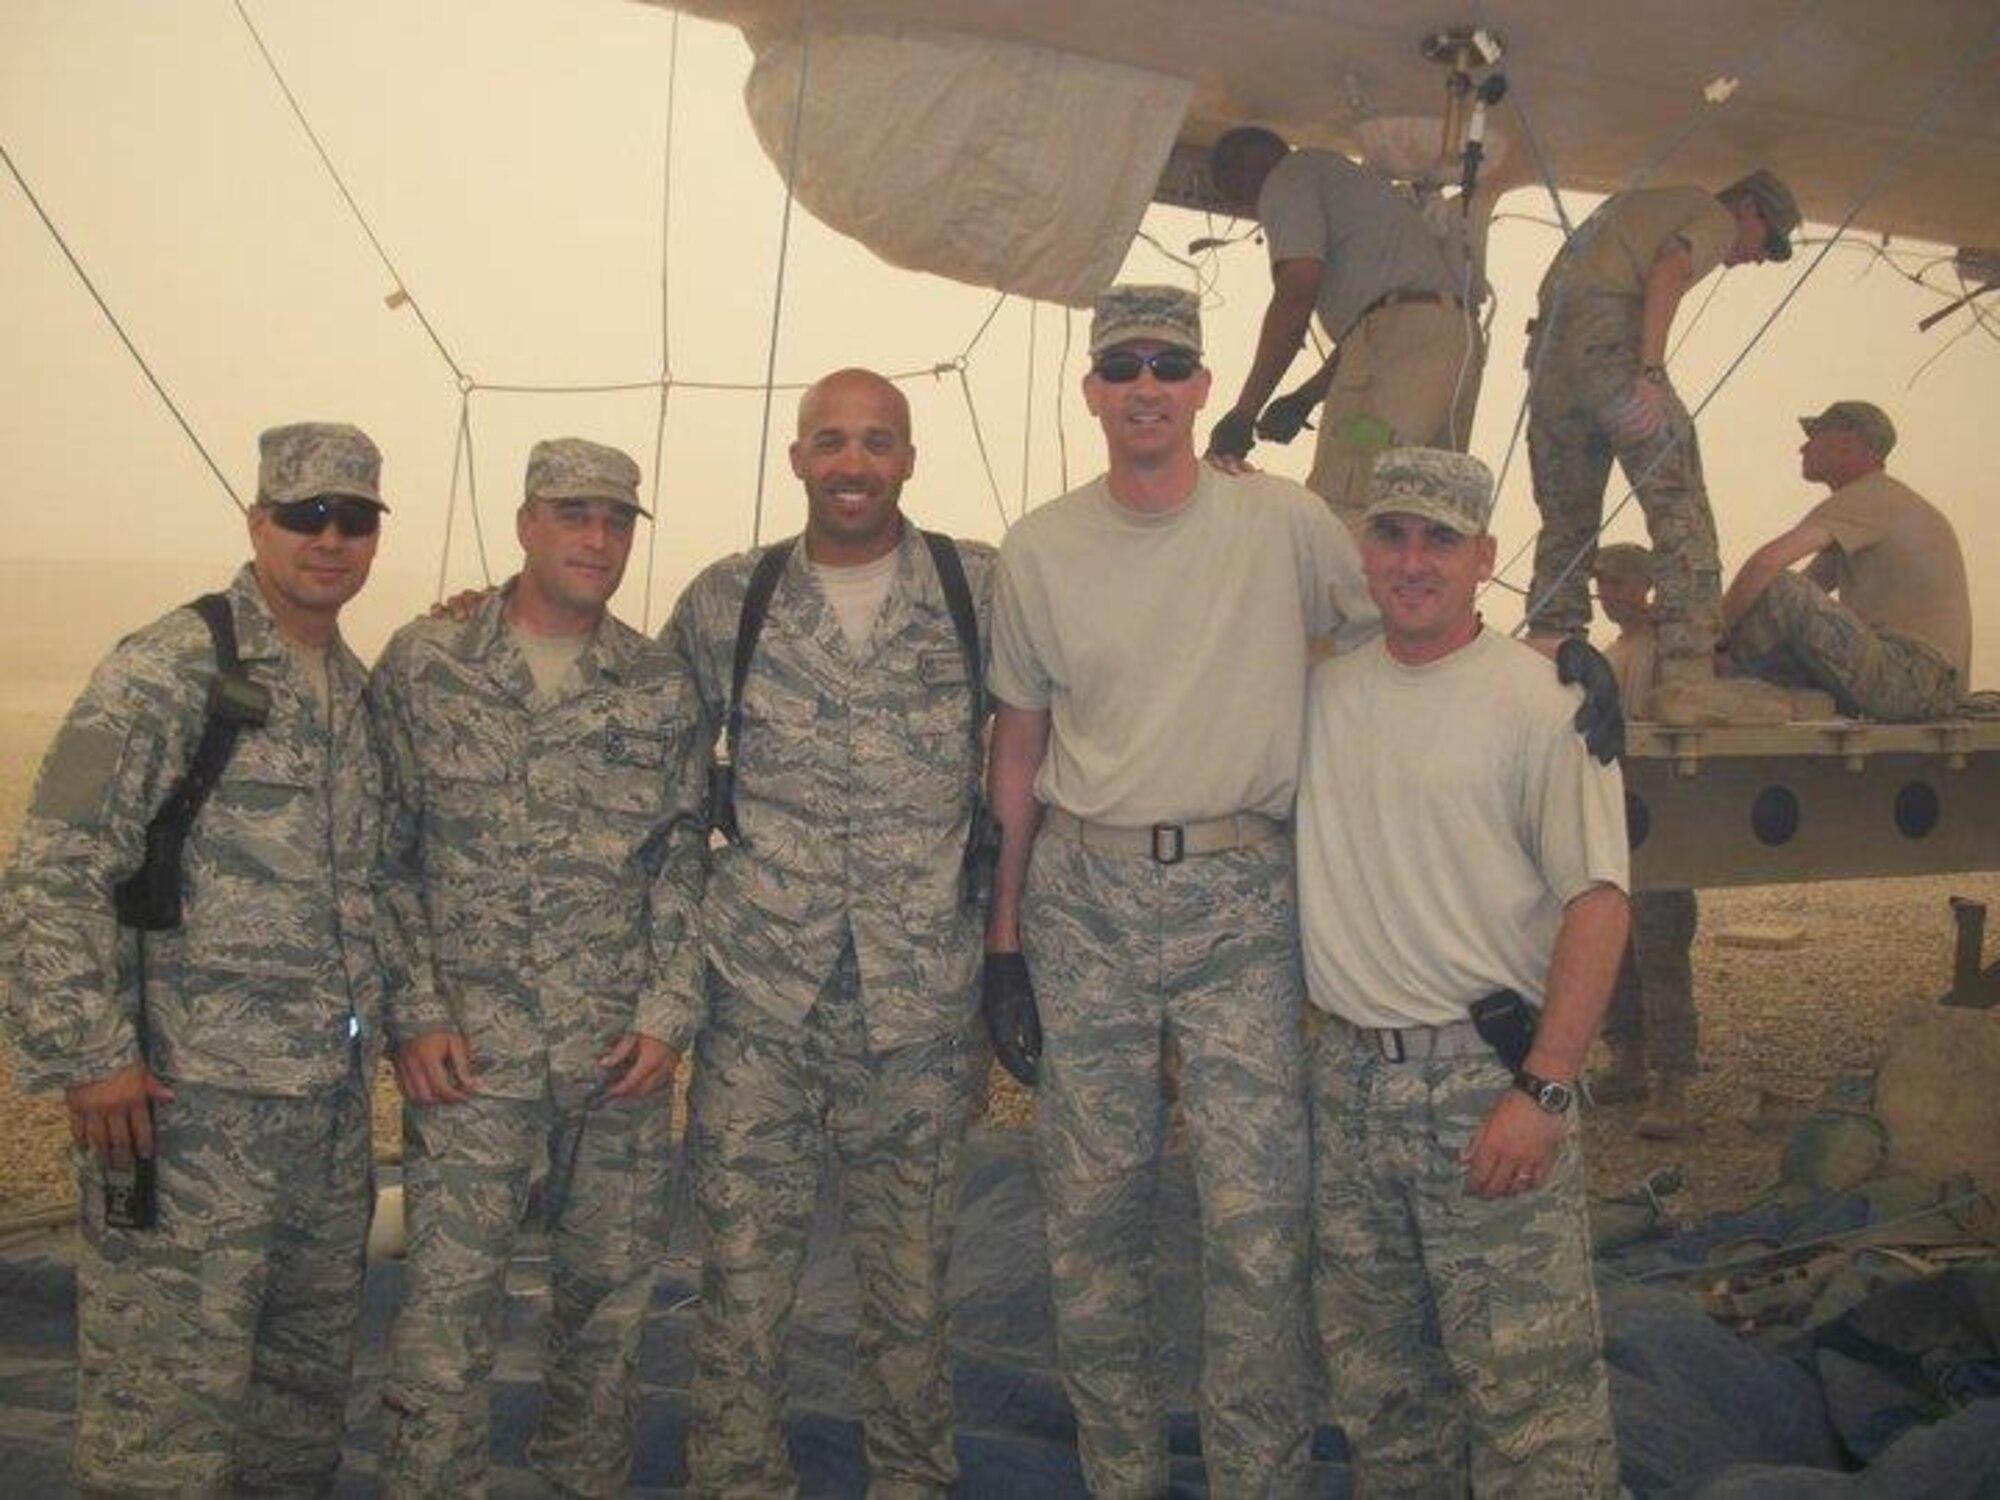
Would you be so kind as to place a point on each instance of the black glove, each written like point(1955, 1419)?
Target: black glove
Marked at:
point(1599, 720)
point(1285, 417)
point(1232, 437)
point(1007, 996)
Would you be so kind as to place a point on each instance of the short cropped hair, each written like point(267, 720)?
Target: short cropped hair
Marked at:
point(1233, 147)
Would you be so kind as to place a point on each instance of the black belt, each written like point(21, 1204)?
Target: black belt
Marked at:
point(1166, 843)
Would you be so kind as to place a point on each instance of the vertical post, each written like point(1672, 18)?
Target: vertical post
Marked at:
point(1969, 986)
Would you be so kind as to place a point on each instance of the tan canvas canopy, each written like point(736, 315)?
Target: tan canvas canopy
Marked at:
point(1016, 145)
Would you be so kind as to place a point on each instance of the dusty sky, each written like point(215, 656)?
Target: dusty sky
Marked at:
point(509, 154)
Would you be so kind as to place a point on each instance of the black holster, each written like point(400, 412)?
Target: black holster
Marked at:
point(1506, 1023)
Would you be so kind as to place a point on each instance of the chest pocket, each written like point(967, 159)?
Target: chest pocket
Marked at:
point(629, 769)
point(941, 709)
point(265, 813)
point(640, 746)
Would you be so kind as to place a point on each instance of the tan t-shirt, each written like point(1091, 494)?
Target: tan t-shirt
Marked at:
point(1899, 566)
point(1447, 815)
point(1369, 236)
point(855, 594)
point(551, 660)
point(1170, 650)
point(1615, 248)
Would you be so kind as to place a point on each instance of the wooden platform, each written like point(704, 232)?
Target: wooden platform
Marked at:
point(1837, 799)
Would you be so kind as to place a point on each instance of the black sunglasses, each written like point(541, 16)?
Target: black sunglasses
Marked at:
point(351, 518)
point(1169, 366)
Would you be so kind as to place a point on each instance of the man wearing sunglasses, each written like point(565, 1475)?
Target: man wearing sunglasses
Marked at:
point(215, 1064)
point(1397, 306)
point(538, 860)
point(1150, 642)
point(1149, 662)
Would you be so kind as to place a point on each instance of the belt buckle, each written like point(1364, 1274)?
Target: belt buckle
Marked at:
point(1169, 843)
point(1389, 1042)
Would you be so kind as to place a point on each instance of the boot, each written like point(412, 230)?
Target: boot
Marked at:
point(1690, 694)
point(1666, 1114)
point(1623, 1082)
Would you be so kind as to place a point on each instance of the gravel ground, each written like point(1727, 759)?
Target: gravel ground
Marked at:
point(1782, 1022)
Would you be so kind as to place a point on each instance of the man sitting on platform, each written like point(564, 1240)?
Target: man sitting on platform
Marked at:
point(1896, 642)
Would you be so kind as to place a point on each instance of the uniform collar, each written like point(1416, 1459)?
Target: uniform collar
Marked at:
point(487, 637)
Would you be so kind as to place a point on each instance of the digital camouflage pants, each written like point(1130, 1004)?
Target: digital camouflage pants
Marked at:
point(1798, 634)
point(1591, 359)
point(768, 1100)
point(1460, 1334)
point(1129, 956)
point(467, 1170)
point(214, 1350)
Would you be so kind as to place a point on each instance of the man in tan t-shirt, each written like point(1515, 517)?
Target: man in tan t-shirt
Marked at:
point(1356, 249)
point(1897, 641)
point(1150, 634)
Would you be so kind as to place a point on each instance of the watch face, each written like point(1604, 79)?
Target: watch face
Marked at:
point(1549, 1095)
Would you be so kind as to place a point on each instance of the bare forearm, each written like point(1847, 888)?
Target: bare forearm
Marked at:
point(1666, 283)
point(1322, 379)
point(1278, 339)
point(1588, 947)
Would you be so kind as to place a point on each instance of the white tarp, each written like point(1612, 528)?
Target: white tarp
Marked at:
point(996, 163)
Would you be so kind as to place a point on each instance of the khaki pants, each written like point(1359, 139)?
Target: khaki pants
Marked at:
point(1409, 374)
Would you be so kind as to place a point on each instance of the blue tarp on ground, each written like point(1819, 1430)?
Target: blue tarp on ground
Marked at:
point(1694, 1403)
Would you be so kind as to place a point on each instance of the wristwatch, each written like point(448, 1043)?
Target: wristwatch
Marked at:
point(1550, 1097)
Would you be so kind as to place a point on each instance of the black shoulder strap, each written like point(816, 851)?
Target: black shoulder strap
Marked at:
point(149, 899)
point(218, 731)
point(749, 626)
point(214, 612)
point(958, 599)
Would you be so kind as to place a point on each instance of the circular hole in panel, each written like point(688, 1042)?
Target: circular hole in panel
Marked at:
point(1774, 816)
point(1917, 809)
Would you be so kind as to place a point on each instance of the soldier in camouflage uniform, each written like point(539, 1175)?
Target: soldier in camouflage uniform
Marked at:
point(841, 952)
point(1452, 1258)
point(1650, 1024)
point(1150, 647)
point(214, 1349)
point(1881, 615)
point(1600, 392)
point(540, 861)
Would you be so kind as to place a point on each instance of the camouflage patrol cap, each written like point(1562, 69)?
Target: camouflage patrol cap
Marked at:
point(1127, 314)
point(1623, 560)
point(315, 460)
point(1780, 210)
point(573, 468)
point(1864, 419)
point(1453, 489)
